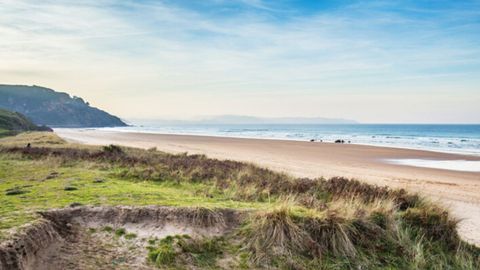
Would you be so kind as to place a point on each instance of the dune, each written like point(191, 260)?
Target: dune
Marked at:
point(457, 190)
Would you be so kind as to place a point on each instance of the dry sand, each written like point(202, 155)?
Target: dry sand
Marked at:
point(460, 191)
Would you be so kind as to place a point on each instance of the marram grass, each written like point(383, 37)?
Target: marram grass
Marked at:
point(288, 223)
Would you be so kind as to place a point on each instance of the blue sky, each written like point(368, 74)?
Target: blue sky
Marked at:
point(372, 61)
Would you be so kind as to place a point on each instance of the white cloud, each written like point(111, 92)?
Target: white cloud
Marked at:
point(113, 53)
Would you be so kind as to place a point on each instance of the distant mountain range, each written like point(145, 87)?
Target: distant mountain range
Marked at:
point(45, 106)
point(246, 120)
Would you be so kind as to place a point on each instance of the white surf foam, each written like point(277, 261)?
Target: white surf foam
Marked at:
point(455, 165)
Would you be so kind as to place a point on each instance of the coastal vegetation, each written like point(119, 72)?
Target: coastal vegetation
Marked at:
point(279, 221)
point(12, 123)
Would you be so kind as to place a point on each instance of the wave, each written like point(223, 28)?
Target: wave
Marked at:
point(448, 138)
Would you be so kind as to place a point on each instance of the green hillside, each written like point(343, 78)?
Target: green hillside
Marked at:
point(47, 107)
point(12, 123)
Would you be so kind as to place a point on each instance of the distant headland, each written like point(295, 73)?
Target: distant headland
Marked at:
point(44, 106)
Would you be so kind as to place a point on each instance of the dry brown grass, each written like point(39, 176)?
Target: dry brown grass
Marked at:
point(204, 217)
point(342, 228)
point(275, 233)
point(34, 138)
point(434, 223)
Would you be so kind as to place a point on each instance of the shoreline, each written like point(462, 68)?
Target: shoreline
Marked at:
point(107, 130)
point(458, 190)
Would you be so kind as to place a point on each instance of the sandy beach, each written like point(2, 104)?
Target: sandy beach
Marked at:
point(457, 190)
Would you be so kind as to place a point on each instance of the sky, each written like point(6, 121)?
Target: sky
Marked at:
point(372, 61)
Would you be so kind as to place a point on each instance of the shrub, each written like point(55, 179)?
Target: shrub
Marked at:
point(113, 150)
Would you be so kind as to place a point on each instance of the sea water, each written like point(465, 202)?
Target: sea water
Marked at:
point(463, 139)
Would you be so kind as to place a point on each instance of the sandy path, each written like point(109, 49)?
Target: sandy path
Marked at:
point(458, 190)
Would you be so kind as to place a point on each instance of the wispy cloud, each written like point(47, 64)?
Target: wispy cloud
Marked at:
point(163, 52)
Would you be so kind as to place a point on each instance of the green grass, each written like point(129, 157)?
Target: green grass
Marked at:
point(42, 193)
point(6, 133)
point(181, 249)
point(120, 232)
point(107, 229)
point(130, 236)
point(14, 121)
point(294, 223)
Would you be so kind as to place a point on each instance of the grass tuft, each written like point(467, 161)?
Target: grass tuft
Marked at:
point(182, 249)
point(120, 232)
point(205, 217)
point(107, 229)
point(434, 223)
point(130, 236)
point(275, 232)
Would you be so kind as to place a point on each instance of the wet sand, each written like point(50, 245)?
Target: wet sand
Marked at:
point(458, 190)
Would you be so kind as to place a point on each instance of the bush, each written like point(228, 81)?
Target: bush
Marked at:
point(113, 150)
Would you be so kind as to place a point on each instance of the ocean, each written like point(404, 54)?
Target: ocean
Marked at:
point(464, 139)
